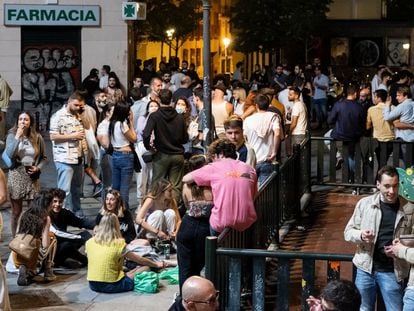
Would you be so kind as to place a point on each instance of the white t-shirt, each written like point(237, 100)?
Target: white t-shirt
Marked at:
point(119, 140)
point(261, 145)
point(299, 109)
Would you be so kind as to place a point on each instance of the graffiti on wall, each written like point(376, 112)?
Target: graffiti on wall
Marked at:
point(49, 75)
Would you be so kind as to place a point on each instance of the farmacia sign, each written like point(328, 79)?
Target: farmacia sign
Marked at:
point(51, 15)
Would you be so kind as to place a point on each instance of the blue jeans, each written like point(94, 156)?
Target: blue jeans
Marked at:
point(69, 179)
point(409, 299)
point(191, 238)
point(122, 172)
point(390, 289)
point(263, 170)
point(123, 285)
point(320, 108)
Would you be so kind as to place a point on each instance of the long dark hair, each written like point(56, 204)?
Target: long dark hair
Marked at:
point(32, 132)
point(120, 113)
point(34, 218)
point(195, 162)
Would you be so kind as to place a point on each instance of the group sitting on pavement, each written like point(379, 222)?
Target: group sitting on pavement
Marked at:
point(214, 185)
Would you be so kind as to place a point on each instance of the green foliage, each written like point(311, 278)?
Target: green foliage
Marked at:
point(270, 23)
point(181, 15)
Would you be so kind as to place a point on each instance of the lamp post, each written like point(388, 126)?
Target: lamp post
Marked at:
point(170, 35)
point(226, 42)
point(206, 65)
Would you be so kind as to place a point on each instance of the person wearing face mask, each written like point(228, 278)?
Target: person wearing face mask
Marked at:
point(144, 177)
point(183, 107)
point(170, 132)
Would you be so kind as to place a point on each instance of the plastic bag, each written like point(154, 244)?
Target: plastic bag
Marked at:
point(146, 282)
point(171, 275)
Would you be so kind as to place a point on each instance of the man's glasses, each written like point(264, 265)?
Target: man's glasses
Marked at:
point(211, 301)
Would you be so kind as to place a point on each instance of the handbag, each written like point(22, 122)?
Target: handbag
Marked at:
point(137, 164)
point(147, 156)
point(25, 245)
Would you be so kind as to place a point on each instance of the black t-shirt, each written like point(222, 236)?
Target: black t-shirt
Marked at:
point(126, 226)
point(382, 262)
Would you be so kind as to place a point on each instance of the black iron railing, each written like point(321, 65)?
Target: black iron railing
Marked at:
point(249, 265)
point(369, 156)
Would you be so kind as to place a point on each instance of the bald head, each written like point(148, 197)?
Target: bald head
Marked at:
point(199, 294)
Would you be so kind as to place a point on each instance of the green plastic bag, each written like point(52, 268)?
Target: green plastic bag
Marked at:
point(146, 282)
point(170, 275)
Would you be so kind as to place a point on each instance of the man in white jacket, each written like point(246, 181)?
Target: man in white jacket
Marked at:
point(377, 220)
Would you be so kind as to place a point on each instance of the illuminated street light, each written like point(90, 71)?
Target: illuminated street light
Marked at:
point(406, 46)
point(226, 42)
point(170, 34)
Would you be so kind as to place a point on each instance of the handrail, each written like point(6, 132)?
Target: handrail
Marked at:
point(239, 265)
point(282, 254)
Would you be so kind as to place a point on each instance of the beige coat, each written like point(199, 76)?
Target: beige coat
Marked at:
point(367, 215)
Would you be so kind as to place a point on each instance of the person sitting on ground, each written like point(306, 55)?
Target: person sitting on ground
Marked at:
point(106, 252)
point(36, 221)
point(114, 204)
point(198, 291)
point(159, 216)
point(339, 295)
point(68, 244)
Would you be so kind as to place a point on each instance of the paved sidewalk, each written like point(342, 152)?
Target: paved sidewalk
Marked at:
point(70, 291)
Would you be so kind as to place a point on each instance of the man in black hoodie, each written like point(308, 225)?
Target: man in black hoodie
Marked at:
point(170, 133)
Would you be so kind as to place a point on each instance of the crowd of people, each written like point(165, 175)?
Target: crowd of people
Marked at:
point(186, 190)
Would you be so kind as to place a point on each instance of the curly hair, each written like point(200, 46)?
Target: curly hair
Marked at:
point(343, 295)
point(222, 147)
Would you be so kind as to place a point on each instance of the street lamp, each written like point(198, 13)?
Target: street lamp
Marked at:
point(170, 34)
point(226, 42)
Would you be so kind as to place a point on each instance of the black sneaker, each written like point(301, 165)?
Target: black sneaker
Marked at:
point(98, 190)
point(22, 280)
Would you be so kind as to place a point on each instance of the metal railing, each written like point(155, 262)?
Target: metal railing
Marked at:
point(249, 265)
point(369, 156)
point(278, 200)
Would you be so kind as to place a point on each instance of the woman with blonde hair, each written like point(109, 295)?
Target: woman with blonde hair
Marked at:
point(114, 204)
point(106, 252)
point(159, 216)
point(26, 150)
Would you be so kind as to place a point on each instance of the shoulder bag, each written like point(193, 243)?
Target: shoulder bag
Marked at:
point(25, 245)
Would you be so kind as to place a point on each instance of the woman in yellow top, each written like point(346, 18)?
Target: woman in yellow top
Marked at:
point(106, 252)
point(159, 216)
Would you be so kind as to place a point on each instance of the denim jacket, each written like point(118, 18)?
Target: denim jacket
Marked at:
point(367, 215)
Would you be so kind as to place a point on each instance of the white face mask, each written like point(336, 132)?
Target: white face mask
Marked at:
point(101, 104)
point(179, 109)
